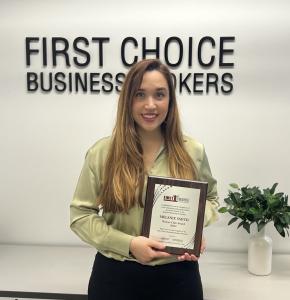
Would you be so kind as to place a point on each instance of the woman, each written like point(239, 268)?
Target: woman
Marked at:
point(107, 208)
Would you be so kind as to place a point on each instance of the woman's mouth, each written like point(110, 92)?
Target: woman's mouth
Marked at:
point(149, 117)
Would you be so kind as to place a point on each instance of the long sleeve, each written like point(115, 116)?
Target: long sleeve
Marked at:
point(212, 203)
point(85, 220)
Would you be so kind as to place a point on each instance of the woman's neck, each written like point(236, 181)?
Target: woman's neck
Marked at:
point(151, 143)
point(149, 139)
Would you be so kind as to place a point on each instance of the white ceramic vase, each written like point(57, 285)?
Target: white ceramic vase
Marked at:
point(260, 253)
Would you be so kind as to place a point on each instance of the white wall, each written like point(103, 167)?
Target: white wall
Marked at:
point(44, 137)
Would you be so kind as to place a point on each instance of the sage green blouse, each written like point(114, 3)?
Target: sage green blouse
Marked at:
point(111, 233)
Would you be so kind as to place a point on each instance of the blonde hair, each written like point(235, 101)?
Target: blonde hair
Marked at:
point(124, 172)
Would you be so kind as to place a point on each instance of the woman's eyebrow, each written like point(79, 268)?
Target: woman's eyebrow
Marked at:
point(157, 89)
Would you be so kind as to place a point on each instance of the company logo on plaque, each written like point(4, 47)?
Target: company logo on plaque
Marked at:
point(175, 198)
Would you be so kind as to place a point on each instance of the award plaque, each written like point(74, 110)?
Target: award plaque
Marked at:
point(174, 213)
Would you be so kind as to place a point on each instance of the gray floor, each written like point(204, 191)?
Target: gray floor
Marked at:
point(66, 270)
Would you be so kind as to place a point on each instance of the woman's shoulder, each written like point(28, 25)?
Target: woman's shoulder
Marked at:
point(101, 144)
point(192, 142)
point(100, 148)
point(193, 147)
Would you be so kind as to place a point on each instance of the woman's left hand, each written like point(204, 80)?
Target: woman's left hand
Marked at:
point(192, 257)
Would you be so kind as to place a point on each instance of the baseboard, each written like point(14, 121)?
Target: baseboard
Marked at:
point(36, 295)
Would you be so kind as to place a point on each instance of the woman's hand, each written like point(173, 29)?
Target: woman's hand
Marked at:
point(192, 257)
point(145, 249)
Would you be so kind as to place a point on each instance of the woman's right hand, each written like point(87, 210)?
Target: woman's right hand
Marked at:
point(145, 249)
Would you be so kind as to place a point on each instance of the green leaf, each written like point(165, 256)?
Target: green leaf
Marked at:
point(261, 225)
point(232, 220)
point(232, 211)
point(273, 201)
point(247, 226)
point(228, 201)
point(279, 195)
point(273, 188)
point(253, 211)
point(287, 218)
point(242, 223)
point(235, 198)
point(245, 191)
point(223, 210)
point(282, 233)
point(234, 186)
point(279, 227)
point(283, 220)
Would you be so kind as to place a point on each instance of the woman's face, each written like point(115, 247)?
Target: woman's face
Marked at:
point(150, 103)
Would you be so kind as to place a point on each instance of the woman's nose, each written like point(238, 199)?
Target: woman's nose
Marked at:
point(150, 103)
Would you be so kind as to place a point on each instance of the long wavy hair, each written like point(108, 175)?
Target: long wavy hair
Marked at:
point(124, 172)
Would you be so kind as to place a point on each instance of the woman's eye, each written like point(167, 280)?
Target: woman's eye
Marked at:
point(160, 95)
point(140, 95)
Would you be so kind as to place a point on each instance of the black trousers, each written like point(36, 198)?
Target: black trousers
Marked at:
point(117, 280)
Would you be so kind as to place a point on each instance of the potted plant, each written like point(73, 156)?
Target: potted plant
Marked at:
point(250, 206)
